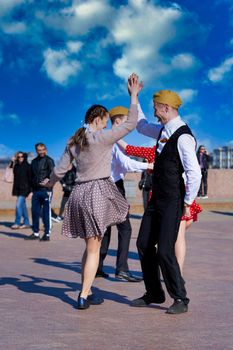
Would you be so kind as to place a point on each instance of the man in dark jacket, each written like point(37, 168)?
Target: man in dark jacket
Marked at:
point(21, 188)
point(41, 168)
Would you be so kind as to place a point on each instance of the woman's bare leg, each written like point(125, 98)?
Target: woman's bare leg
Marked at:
point(83, 264)
point(90, 261)
point(180, 246)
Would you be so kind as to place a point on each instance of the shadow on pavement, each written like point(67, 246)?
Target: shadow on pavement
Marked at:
point(131, 255)
point(14, 234)
point(135, 216)
point(33, 287)
point(6, 223)
point(222, 212)
point(76, 267)
point(73, 266)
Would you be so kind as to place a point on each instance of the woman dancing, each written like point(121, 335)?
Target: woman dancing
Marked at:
point(95, 203)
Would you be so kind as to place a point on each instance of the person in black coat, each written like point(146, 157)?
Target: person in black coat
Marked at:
point(21, 188)
point(203, 160)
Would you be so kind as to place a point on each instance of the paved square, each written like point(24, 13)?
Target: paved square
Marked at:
point(40, 281)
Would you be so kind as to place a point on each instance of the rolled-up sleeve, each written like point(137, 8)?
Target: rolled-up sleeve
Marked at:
point(186, 149)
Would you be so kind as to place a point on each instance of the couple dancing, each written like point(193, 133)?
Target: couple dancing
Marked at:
point(95, 203)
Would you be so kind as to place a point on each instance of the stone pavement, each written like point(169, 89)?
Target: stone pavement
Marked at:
point(40, 281)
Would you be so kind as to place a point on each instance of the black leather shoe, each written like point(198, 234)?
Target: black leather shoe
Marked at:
point(178, 307)
point(147, 299)
point(32, 237)
point(127, 276)
point(101, 273)
point(82, 303)
point(94, 299)
point(45, 238)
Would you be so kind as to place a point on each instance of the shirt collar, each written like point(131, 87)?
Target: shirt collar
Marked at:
point(172, 124)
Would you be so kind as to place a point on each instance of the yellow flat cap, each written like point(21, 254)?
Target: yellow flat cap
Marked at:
point(118, 110)
point(168, 97)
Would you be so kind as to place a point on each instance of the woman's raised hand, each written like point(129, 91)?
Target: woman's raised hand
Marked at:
point(134, 85)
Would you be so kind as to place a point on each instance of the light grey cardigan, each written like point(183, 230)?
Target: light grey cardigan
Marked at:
point(94, 161)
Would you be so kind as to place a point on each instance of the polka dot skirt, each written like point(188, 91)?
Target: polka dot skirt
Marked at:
point(92, 207)
point(194, 210)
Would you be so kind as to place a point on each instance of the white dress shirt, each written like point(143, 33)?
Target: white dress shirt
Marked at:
point(122, 164)
point(186, 148)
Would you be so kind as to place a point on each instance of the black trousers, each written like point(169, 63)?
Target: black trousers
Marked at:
point(156, 248)
point(145, 197)
point(203, 186)
point(64, 200)
point(124, 234)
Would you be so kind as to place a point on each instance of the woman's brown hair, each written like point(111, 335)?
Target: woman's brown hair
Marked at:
point(79, 138)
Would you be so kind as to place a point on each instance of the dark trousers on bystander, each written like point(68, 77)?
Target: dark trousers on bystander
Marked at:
point(41, 200)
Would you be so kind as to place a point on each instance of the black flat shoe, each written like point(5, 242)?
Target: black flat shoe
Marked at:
point(147, 299)
point(178, 307)
point(45, 238)
point(127, 276)
point(94, 299)
point(32, 237)
point(82, 303)
point(101, 273)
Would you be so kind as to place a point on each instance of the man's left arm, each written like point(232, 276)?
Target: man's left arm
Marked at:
point(186, 149)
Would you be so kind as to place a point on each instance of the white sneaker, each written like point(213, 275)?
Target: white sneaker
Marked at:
point(205, 197)
point(55, 219)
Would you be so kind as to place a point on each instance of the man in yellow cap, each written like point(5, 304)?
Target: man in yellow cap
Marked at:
point(121, 164)
point(175, 155)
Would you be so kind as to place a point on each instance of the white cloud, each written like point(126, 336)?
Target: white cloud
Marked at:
point(217, 74)
point(183, 61)
point(14, 118)
point(14, 27)
point(8, 24)
point(192, 118)
point(80, 17)
point(74, 46)
point(8, 5)
point(61, 65)
point(187, 95)
point(144, 30)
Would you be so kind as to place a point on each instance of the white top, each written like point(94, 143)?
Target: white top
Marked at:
point(186, 148)
point(122, 164)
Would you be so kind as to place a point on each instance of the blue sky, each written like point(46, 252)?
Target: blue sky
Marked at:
point(57, 57)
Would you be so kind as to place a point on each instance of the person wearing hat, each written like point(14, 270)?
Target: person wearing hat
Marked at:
point(175, 156)
point(121, 164)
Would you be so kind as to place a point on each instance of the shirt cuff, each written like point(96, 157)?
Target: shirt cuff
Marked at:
point(188, 201)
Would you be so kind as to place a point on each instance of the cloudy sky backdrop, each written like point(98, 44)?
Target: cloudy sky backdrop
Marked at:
point(57, 57)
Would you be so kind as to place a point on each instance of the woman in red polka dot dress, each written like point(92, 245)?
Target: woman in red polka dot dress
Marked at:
point(148, 153)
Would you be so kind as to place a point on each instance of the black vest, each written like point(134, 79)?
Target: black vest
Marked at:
point(167, 174)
